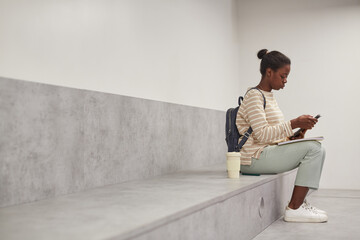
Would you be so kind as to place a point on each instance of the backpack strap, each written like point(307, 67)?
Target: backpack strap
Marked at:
point(261, 94)
point(240, 100)
point(250, 130)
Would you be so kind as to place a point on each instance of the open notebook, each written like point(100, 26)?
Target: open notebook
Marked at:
point(302, 140)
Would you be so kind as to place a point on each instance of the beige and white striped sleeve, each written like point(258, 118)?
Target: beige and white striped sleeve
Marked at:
point(256, 116)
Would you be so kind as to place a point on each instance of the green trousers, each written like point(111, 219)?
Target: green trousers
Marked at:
point(309, 156)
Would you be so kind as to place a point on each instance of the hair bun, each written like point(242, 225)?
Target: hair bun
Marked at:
point(262, 53)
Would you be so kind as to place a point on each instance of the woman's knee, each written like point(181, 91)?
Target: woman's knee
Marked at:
point(319, 148)
point(315, 146)
point(312, 148)
point(323, 151)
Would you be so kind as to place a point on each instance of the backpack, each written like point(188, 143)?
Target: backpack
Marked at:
point(232, 134)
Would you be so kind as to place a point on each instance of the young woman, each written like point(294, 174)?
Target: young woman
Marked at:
point(261, 155)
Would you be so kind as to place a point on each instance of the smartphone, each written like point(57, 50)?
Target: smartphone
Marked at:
point(297, 133)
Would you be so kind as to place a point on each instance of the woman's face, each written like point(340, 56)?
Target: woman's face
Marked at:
point(278, 78)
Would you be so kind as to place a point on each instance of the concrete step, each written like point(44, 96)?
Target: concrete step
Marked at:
point(197, 204)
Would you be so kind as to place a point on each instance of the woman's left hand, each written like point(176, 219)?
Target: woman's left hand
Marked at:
point(301, 135)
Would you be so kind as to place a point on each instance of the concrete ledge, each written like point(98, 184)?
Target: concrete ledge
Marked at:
point(195, 204)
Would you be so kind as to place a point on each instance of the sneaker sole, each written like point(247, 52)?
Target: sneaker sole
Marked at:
point(305, 220)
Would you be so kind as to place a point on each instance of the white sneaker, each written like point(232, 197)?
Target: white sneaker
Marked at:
point(314, 208)
point(304, 214)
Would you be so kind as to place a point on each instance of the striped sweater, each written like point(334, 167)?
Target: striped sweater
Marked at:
point(269, 126)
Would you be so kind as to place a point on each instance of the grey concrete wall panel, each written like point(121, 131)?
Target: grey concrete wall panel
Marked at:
point(57, 140)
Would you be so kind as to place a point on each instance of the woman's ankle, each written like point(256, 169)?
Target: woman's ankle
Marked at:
point(294, 206)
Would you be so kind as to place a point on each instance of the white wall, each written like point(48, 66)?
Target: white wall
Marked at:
point(188, 52)
point(180, 51)
point(322, 39)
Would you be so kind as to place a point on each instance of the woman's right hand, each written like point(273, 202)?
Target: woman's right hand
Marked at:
point(304, 122)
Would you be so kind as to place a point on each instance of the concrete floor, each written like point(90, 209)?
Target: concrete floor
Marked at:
point(343, 208)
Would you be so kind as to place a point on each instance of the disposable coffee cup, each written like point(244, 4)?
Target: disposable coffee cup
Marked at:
point(233, 164)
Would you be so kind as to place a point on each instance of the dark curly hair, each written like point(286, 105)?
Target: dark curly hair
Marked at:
point(273, 60)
